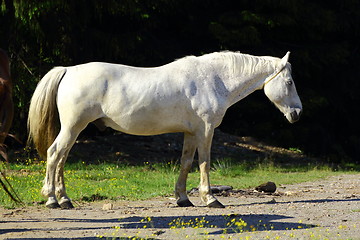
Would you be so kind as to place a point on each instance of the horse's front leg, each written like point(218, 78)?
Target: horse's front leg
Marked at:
point(204, 165)
point(187, 158)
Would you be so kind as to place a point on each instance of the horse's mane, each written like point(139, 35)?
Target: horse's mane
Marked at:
point(244, 64)
point(238, 63)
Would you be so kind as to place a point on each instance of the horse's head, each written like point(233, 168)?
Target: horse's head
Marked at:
point(280, 89)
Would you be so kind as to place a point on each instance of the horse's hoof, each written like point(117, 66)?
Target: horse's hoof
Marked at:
point(66, 205)
point(53, 205)
point(185, 203)
point(215, 204)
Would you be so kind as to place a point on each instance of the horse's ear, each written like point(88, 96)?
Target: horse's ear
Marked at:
point(284, 60)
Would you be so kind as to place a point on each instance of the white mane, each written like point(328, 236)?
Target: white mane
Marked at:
point(238, 63)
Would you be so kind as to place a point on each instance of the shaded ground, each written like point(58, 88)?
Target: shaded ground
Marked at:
point(130, 149)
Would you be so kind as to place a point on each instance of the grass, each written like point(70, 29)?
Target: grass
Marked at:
point(86, 182)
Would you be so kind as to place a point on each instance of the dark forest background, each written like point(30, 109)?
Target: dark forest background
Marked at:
point(323, 37)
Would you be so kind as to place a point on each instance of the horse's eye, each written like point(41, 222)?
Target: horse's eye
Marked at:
point(289, 82)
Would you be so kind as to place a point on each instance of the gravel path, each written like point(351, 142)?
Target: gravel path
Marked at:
point(325, 209)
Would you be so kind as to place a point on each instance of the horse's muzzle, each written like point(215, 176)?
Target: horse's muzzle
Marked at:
point(295, 115)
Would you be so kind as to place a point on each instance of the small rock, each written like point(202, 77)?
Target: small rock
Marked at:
point(269, 187)
point(157, 233)
point(129, 212)
point(289, 193)
point(220, 188)
point(107, 206)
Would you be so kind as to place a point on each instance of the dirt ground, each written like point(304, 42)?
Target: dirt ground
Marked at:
point(325, 209)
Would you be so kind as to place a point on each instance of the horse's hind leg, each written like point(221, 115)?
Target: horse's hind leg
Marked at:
point(60, 189)
point(56, 157)
point(48, 190)
point(187, 158)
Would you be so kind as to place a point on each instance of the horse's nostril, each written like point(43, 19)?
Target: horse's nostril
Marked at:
point(295, 115)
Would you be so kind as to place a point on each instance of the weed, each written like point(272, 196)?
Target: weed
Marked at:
point(223, 166)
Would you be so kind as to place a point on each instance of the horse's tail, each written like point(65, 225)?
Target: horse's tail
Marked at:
point(43, 116)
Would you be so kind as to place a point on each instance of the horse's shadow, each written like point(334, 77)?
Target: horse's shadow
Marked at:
point(222, 224)
point(226, 224)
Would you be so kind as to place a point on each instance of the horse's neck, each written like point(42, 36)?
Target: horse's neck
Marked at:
point(247, 79)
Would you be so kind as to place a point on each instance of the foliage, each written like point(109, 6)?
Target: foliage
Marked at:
point(322, 36)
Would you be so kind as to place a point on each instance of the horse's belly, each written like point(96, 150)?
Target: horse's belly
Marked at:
point(148, 125)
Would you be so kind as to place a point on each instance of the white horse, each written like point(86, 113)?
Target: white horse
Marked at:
point(189, 95)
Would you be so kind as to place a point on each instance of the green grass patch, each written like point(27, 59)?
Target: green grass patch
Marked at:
point(112, 181)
